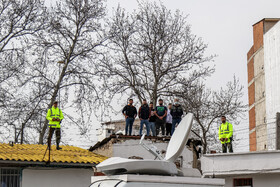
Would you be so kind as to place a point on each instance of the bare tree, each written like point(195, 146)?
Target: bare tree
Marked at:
point(59, 56)
point(71, 39)
point(208, 106)
point(151, 52)
point(18, 20)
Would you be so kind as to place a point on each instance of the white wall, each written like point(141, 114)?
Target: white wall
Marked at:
point(130, 148)
point(56, 177)
point(262, 166)
point(240, 163)
point(272, 81)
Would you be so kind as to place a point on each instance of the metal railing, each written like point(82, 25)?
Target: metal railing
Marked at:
point(10, 177)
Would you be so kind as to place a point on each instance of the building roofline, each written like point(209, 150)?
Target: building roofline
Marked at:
point(114, 121)
point(267, 19)
point(241, 153)
point(125, 137)
point(45, 164)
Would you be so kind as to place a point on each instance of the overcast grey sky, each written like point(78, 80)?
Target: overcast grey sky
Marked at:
point(226, 26)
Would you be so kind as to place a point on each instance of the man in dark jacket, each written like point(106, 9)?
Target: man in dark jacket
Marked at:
point(176, 113)
point(130, 113)
point(160, 112)
point(144, 114)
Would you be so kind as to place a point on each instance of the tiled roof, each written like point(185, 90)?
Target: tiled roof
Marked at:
point(35, 153)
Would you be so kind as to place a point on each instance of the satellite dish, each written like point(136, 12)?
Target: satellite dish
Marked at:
point(164, 166)
point(179, 138)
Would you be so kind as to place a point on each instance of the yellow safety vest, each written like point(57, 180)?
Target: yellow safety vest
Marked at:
point(54, 113)
point(225, 131)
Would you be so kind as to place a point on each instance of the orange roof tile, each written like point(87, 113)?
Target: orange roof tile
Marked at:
point(35, 153)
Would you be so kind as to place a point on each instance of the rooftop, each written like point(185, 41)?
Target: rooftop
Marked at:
point(229, 164)
point(33, 154)
point(126, 137)
point(268, 20)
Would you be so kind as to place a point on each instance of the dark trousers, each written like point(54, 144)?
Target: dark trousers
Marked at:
point(168, 128)
point(228, 146)
point(160, 124)
point(57, 135)
point(128, 125)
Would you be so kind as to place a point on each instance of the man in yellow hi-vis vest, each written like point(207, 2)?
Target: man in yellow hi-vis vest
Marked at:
point(55, 116)
point(225, 135)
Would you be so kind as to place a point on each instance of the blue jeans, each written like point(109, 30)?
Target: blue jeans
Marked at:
point(153, 128)
point(128, 124)
point(174, 123)
point(146, 122)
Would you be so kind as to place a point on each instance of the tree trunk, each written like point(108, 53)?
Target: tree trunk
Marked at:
point(21, 135)
point(54, 95)
point(204, 144)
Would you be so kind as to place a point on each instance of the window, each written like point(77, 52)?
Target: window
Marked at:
point(10, 177)
point(243, 182)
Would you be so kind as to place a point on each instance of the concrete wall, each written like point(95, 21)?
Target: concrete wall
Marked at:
point(130, 148)
point(260, 111)
point(260, 180)
point(272, 79)
point(256, 86)
point(258, 162)
point(56, 177)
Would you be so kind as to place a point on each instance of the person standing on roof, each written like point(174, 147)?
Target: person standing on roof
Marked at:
point(152, 118)
point(176, 113)
point(55, 116)
point(144, 114)
point(168, 123)
point(160, 112)
point(225, 135)
point(130, 113)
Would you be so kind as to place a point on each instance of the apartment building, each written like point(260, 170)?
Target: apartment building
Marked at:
point(263, 64)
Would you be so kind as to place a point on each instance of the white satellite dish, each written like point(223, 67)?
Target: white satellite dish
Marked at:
point(164, 166)
point(179, 139)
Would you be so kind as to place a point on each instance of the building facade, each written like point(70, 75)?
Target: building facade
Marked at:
point(251, 169)
point(262, 66)
point(129, 147)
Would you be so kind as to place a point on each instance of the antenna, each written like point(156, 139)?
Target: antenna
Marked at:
point(153, 149)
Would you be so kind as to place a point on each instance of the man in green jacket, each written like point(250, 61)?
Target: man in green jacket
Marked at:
point(55, 116)
point(225, 135)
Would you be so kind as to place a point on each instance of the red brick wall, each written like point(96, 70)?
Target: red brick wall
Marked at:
point(258, 35)
point(250, 53)
point(258, 31)
point(251, 93)
point(253, 141)
point(250, 69)
point(252, 118)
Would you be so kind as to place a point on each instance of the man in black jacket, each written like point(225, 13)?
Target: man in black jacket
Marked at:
point(144, 114)
point(130, 113)
point(176, 113)
point(152, 119)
